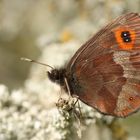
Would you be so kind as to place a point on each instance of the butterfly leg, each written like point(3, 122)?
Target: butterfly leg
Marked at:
point(68, 88)
point(60, 95)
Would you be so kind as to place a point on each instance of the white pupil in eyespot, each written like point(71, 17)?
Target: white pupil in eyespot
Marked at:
point(126, 40)
point(125, 34)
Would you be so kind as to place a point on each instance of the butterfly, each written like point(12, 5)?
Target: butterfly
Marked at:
point(105, 71)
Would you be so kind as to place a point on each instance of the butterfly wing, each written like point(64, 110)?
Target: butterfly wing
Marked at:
point(105, 72)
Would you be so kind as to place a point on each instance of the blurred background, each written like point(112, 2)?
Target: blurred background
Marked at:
point(51, 31)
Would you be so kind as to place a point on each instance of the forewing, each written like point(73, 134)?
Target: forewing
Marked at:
point(106, 69)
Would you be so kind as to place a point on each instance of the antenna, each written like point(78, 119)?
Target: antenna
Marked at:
point(34, 61)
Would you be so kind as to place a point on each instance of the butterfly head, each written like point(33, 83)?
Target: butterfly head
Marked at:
point(57, 76)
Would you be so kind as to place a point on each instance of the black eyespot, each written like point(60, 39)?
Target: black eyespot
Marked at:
point(127, 39)
point(131, 98)
point(126, 36)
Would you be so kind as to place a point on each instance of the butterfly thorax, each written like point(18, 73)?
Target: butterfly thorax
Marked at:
point(60, 76)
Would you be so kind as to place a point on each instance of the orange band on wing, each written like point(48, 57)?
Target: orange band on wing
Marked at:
point(122, 44)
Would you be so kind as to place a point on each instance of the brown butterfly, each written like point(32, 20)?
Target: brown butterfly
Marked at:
point(105, 72)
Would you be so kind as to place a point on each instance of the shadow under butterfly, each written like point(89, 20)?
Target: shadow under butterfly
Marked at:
point(105, 71)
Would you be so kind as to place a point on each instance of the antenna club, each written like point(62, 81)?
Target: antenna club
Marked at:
point(25, 59)
point(30, 60)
